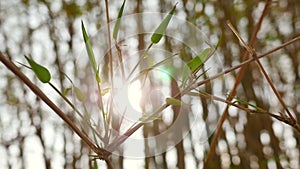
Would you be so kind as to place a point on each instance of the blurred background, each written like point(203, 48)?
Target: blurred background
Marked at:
point(32, 136)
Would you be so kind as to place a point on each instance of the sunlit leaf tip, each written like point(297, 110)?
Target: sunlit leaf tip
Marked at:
point(89, 50)
point(160, 30)
point(105, 91)
point(83, 31)
point(41, 72)
point(67, 91)
point(98, 78)
point(79, 94)
point(174, 102)
point(118, 22)
point(198, 61)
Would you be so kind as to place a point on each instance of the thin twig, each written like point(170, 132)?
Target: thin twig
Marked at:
point(246, 62)
point(120, 56)
point(254, 54)
point(284, 119)
point(233, 91)
point(122, 138)
point(249, 49)
point(109, 41)
point(11, 66)
point(110, 70)
point(109, 164)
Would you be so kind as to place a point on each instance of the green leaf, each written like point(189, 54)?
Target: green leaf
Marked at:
point(98, 78)
point(79, 94)
point(174, 102)
point(95, 164)
point(40, 71)
point(105, 91)
point(197, 62)
point(90, 52)
point(67, 91)
point(160, 30)
point(194, 64)
point(118, 23)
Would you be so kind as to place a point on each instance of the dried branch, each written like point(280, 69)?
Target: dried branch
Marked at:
point(233, 91)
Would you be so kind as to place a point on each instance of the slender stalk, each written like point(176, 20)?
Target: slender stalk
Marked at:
point(119, 52)
point(109, 41)
point(257, 111)
point(254, 54)
point(246, 62)
point(110, 69)
point(122, 138)
point(233, 91)
point(11, 66)
point(76, 110)
point(139, 62)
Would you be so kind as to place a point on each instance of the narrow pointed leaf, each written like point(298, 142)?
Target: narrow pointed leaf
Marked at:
point(174, 102)
point(79, 94)
point(199, 60)
point(67, 91)
point(90, 52)
point(196, 63)
point(40, 71)
point(160, 30)
point(98, 78)
point(95, 164)
point(118, 23)
point(105, 91)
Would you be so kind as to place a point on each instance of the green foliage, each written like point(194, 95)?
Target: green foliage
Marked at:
point(174, 102)
point(79, 94)
point(40, 71)
point(118, 23)
point(238, 100)
point(90, 52)
point(67, 91)
point(95, 164)
point(160, 30)
point(196, 64)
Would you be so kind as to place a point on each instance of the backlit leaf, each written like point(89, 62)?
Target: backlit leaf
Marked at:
point(40, 71)
point(118, 23)
point(174, 102)
point(72, 9)
point(105, 91)
point(160, 30)
point(195, 64)
point(198, 61)
point(67, 91)
point(95, 164)
point(90, 52)
point(79, 94)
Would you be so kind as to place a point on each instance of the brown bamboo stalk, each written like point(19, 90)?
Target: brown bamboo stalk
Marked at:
point(122, 138)
point(11, 66)
point(233, 91)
